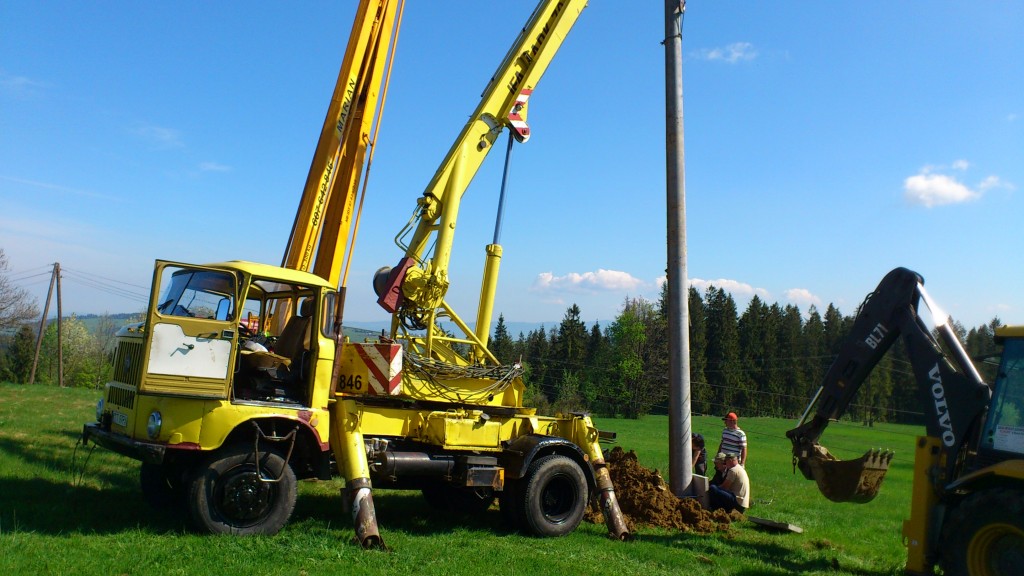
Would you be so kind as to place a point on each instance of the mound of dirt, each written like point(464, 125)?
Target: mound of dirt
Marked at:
point(646, 500)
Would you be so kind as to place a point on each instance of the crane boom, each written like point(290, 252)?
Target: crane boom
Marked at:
point(414, 290)
point(319, 236)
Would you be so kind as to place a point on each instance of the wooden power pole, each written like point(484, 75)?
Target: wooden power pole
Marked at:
point(54, 280)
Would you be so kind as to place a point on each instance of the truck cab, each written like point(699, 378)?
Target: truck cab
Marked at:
point(228, 351)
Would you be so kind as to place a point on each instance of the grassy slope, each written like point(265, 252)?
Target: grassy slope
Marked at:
point(57, 517)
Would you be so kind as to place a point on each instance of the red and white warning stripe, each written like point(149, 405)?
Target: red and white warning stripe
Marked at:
point(384, 366)
point(515, 117)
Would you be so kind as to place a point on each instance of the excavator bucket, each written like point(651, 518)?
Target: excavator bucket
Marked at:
point(855, 480)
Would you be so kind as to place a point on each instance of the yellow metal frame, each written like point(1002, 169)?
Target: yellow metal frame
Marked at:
point(917, 530)
point(434, 221)
point(337, 167)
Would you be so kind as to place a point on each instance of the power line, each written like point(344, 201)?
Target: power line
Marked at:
point(105, 286)
point(103, 278)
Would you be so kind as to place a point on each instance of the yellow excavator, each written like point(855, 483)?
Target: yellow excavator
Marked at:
point(967, 506)
point(240, 381)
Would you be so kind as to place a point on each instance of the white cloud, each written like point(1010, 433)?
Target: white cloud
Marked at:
point(734, 287)
point(731, 54)
point(994, 182)
point(58, 188)
point(961, 165)
point(601, 280)
point(160, 136)
point(19, 86)
point(214, 167)
point(802, 296)
point(931, 190)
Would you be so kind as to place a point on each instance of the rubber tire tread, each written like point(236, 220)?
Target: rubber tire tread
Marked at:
point(975, 512)
point(540, 474)
point(204, 515)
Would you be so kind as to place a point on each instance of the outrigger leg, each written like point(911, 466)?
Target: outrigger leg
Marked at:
point(350, 453)
point(586, 436)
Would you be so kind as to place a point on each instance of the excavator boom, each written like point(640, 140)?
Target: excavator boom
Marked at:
point(947, 380)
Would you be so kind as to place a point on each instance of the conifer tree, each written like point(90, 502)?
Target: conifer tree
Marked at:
point(21, 354)
point(597, 365)
point(501, 343)
point(790, 328)
point(569, 346)
point(700, 393)
point(723, 350)
point(815, 352)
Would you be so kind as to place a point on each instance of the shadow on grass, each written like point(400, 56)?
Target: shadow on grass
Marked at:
point(54, 507)
point(67, 459)
point(59, 487)
point(61, 506)
point(397, 510)
point(785, 559)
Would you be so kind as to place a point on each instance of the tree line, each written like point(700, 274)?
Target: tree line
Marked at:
point(767, 360)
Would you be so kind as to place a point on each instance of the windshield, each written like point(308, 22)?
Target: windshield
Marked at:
point(1005, 427)
point(198, 293)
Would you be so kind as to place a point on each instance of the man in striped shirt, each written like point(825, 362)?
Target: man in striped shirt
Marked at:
point(734, 440)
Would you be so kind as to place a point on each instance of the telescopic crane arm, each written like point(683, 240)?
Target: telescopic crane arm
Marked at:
point(414, 291)
point(952, 389)
point(319, 236)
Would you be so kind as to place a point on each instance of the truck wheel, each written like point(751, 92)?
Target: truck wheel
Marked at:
point(162, 488)
point(984, 535)
point(553, 498)
point(228, 496)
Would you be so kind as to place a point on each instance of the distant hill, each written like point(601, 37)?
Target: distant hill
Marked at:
point(356, 331)
point(514, 328)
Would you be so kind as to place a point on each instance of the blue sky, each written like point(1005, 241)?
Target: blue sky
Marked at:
point(826, 143)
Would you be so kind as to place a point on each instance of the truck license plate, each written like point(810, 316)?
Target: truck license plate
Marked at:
point(119, 418)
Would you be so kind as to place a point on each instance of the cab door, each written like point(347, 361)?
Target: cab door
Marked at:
point(191, 331)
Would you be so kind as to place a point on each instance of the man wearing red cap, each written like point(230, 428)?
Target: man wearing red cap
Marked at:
point(734, 440)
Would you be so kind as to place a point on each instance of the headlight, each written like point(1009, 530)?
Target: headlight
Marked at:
point(154, 424)
point(99, 410)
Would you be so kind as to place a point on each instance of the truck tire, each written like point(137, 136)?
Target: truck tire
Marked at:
point(162, 488)
point(227, 496)
point(553, 496)
point(984, 535)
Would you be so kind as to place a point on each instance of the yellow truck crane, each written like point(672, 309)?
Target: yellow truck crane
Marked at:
point(967, 506)
point(240, 381)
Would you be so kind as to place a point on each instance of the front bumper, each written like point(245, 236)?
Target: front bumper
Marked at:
point(143, 451)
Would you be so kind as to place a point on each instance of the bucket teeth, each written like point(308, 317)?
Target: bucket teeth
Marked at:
point(878, 458)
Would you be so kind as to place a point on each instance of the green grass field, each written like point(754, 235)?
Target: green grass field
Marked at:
point(77, 512)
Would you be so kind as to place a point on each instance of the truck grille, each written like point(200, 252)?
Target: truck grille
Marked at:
point(120, 396)
point(128, 361)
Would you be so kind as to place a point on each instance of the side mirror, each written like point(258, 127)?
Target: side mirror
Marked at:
point(223, 309)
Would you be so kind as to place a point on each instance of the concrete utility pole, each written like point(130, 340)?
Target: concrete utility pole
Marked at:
point(680, 456)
